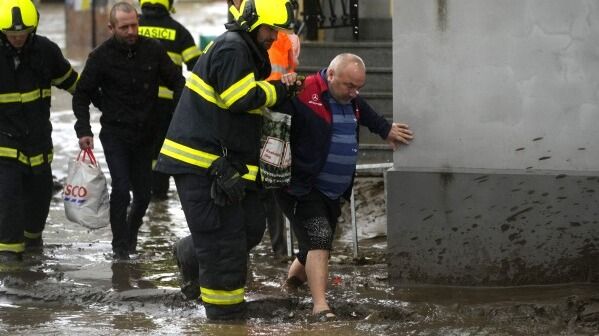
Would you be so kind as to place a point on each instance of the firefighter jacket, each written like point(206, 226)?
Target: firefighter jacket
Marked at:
point(221, 108)
point(127, 77)
point(26, 78)
point(311, 130)
point(155, 22)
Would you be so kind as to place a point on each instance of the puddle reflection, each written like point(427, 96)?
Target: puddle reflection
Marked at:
point(128, 275)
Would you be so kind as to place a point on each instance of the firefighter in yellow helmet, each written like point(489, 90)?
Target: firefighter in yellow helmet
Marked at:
point(212, 148)
point(29, 65)
point(156, 22)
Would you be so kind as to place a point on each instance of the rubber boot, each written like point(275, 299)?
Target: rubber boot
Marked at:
point(187, 263)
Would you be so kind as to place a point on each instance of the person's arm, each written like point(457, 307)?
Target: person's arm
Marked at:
point(190, 51)
point(394, 133)
point(63, 75)
point(236, 84)
point(87, 87)
point(294, 84)
point(399, 134)
point(170, 73)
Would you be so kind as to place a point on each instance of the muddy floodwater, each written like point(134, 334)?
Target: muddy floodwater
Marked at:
point(73, 287)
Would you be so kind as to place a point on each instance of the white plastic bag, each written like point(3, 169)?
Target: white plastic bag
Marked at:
point(85, 192)
point(275, 154)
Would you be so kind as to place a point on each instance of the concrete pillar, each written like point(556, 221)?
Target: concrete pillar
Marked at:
point(501, 185)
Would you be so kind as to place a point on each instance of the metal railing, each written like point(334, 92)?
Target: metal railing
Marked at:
point(330, 14)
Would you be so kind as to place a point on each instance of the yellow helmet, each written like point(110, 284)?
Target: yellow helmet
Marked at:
point(168, 4)
point(18, 16)
point(253, 13)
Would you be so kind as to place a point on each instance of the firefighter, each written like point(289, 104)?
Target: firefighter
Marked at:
point(212, 148)
point(29, 65)
point(156, 22)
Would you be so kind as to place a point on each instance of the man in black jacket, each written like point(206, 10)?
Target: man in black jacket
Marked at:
point(127, 69)
point(29, 66)
point(156, 22)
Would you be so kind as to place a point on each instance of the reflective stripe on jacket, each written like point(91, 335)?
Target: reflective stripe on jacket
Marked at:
point(220, 110)
point(32, 161)
point(25, 99)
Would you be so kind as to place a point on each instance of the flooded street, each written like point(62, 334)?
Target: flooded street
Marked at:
point(73, 287)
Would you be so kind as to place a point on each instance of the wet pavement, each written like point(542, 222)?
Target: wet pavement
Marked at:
point(73, 287)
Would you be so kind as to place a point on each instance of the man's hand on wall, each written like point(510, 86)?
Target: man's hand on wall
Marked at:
point(399, 134)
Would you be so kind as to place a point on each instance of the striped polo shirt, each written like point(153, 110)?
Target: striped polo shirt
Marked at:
point(338, 170)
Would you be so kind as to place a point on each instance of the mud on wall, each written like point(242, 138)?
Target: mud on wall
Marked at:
point(493, 229)
point(508, 90)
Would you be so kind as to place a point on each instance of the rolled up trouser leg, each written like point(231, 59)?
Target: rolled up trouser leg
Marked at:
point(11, 207)
point(219, 238)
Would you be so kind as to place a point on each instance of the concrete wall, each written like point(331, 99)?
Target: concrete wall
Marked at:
point(504, 98)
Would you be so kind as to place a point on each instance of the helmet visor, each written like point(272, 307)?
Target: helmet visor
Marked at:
point(9, 32)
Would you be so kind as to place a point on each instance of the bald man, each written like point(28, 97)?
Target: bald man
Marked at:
point(324, 146)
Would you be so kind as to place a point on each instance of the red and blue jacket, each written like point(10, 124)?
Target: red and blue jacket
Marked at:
point(311, 130)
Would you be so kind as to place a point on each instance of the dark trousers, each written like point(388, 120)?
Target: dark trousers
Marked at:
point(24, 203)
point(275, 222)
point(164, 110)
point(222, 238)
point(130, 168)
point(160, 184)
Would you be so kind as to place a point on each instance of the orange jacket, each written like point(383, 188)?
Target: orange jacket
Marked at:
point(281, 57)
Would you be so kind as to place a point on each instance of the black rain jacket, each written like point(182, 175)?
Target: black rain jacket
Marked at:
point(128, 78)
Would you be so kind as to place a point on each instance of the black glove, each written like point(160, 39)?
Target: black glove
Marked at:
point(218, 195)
point(228, 186)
